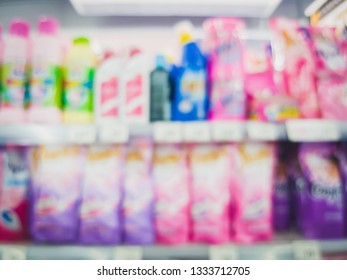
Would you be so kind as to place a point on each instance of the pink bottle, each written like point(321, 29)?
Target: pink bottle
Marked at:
point(172, 195)
point(46, 78)
point(14, 73)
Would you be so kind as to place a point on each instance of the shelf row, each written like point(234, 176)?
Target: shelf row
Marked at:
point(175, 132)
point(284, 249)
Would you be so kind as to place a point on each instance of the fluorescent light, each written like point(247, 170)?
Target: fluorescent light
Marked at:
point(314, 6)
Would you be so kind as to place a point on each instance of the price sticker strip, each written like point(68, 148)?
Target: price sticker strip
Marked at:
point(115, 133)
point(313, 130)
point(13, 252)
point(198, 132)
point(81, 134)
point(228, 131)
point(166, 132)
point(306, 250)
point(262, 131)
point(223, 252)
point(128, 253)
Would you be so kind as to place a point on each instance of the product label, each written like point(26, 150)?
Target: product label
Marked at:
point(109, 96)
point(13, 84)
point(79, 88)
point(134, 96)
point(44, 87)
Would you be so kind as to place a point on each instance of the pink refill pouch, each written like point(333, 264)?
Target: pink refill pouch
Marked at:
point(295, 61)
point(252, 183)
point(226, 68)
point(172, 196)
point(210, 173)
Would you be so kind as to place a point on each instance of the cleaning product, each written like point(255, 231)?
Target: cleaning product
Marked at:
point(135, 88)
point(101, 196)
point(172, 194)
point(160, 92)
point(108, 95)
point(14, 73)
point(210, 167)
point(190, 99)
point(14, 203)
point(55, 193)
point(46, 75)
point(138, 199)
point(252, 178)
point(324, 205)
point(226, 68)
point(79, 66)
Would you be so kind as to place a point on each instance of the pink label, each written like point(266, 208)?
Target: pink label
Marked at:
point(133, 96)
point(109, 92)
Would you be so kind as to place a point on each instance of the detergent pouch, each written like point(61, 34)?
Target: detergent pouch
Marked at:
point(138, 201)
point(295, 61)
point(101, 196)
point(252, 185)
point(172, 201)
point(324, 205)
point(14, 180)
point(210, 168)
point(55, 193)
point(226, 70)
point(282, 191)
point(342, 155)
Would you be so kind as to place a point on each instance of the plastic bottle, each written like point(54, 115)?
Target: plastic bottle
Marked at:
point(14, 72)
point(108, 90)
point(190, 96)
point(135, 86)
point(160, 92)
point(46, 77)
point(79, 70)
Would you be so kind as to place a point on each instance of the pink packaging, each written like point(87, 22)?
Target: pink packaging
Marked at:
point(252, 185)
point(295, 62)
point(14, 182)
point(210, 175)
point(226, 68)
point(171, 184)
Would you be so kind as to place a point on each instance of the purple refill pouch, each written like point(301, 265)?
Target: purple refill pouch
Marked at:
point(101, 196)
point(138, 200)
point(281, 193)
point(324, 205)
point(342, 155)
point(55, 193)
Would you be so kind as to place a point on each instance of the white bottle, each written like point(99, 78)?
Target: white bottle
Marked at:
point(135, 89)
point(108, 95)
point(46, 74)
point(14, 74)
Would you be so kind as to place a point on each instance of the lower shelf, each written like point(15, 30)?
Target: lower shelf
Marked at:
point(284, 247)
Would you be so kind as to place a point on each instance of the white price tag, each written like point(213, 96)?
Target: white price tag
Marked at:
point(166, 132)
point(228, 131)
point(223, 252)
point(197, 132)
point(82, 134)
point(128, 253)
point(262, 131)
point(306, 250)
point(313, 130)
point(13, 253)
point(114, 133)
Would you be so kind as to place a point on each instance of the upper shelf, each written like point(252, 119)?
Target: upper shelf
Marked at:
point(239, 8)
point(175, 132)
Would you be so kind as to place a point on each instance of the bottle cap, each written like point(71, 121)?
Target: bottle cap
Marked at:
point(160, 62)
point(20, 28)
point(81, 41)
point(48, 26)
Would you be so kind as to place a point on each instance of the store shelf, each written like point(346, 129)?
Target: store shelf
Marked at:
point(175, 132)
point(285, 247)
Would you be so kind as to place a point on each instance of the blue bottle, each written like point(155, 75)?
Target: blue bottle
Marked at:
point(190, 91)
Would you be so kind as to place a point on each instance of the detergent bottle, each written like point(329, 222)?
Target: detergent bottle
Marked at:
point(46, 77)
point(78, 73)
point(14, 72)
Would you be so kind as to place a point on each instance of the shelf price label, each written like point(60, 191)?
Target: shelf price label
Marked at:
point(263, 131)
point(115, 133)
point(223, 252)
point(128, 253)
point(166, 132)
point(228, 131)
point(13, 253)
point(197, 132)
point(313, 130)
point(306, 250)
point(82, 134)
